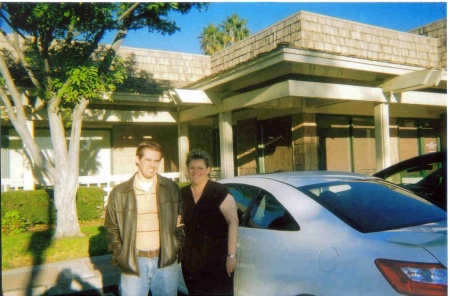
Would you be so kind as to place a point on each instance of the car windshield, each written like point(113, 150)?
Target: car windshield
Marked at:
point(374, 205)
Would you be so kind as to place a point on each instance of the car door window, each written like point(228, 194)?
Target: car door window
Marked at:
point(416, 174)
point(269, 213)
point(244, 196)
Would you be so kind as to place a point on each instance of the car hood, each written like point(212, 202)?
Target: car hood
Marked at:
point(432, 237)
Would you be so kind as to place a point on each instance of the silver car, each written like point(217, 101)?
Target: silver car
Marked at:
point(333, 233)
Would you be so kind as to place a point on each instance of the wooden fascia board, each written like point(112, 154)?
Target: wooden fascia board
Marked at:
point(246, 68)
point(335, 91)
point(361, 93)
point(423, 98)
point(130, 116)
point(413, 81)
point(99, 115)
point(343, 62)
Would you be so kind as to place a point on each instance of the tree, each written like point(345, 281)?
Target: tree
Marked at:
point(216, 38)
point(57, 47)
point(235, 29)
point(211, 39)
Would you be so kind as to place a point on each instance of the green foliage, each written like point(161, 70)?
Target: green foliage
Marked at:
point(90, 203)
point(12, 223)
point(230, 31)
point(63, 51)
point(37, 206)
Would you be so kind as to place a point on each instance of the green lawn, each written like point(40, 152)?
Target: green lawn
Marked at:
point(37, 247)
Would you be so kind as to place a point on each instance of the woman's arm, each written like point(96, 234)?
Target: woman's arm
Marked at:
point(228, 209)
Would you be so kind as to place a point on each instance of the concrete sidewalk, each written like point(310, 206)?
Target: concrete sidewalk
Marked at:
point(85, 276)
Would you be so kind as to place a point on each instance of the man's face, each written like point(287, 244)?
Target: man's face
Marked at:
point(149, 163)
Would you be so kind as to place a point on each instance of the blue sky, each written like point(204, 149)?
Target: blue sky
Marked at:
point(401, 16)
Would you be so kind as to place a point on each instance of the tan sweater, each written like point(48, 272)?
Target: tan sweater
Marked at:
point(147, 235)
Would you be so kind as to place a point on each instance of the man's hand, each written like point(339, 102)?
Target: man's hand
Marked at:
point(180, 221)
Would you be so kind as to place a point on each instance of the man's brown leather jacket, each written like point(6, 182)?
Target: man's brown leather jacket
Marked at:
point(121, 220)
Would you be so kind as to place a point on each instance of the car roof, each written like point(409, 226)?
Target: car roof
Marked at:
point(304, 178)
point(412, 162)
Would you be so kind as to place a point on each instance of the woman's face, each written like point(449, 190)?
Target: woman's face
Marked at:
point(198, 172)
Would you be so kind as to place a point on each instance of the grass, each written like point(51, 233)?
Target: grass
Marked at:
point(36, 247)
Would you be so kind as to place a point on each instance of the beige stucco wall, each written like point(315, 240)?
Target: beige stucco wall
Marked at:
point(316, 32)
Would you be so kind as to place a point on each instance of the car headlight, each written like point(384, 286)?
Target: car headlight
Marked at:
point(414, 278)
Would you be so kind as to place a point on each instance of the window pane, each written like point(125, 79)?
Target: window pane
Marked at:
point(243, 195)
point(375, 205)
point(268, 213)
point(414, 174)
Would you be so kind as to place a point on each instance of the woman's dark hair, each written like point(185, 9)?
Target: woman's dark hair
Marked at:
point(148, 144)
point(197, 154)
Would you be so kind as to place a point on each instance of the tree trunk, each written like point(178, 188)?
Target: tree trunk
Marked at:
point(67, 224)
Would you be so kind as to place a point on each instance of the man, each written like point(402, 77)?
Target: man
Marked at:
point(142, 230)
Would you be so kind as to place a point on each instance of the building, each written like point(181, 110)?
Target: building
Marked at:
point(309, 92)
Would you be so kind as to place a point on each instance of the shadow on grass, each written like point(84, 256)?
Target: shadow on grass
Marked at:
point(40, 241)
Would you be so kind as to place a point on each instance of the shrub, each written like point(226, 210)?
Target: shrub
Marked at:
point(12, 223)
point(90, 203)
point(37, 206)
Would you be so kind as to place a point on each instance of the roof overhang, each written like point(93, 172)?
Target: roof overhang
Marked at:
point(296, 78)
point(284, 60)
point(295, 91)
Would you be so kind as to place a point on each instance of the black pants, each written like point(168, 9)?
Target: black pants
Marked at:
point(211, 280)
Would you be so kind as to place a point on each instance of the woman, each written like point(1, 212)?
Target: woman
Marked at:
point(211, 226)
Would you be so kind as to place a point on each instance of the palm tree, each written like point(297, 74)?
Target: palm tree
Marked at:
point(214, 39)
point(211, 39)
point(235, 29)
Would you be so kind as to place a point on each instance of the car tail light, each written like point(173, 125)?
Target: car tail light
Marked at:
point(413, 278)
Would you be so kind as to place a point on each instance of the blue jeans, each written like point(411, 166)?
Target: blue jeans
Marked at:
point(161, 281)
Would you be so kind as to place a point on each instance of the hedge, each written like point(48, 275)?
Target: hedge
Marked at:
point(37, 206)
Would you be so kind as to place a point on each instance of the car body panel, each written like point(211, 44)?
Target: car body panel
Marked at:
point(326, 256)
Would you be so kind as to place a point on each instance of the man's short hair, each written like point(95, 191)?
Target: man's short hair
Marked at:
point(148, 144)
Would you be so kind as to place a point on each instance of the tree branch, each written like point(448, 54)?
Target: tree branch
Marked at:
point(16, 45)
point(128, 11)
point(77, 120)
point(58, 138)
point(118, 39)
point(18, 119)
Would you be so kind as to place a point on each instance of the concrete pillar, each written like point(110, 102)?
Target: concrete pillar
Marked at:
point(382, 138)
point(183, 149)
point(226, 145)
point(305, 142)
point(261, 160)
